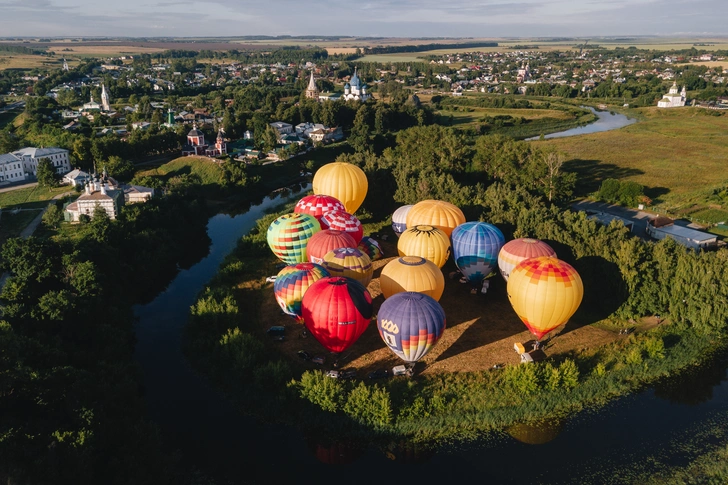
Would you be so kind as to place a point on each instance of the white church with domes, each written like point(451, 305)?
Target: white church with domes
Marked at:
point(355, 89)
point(673, 99)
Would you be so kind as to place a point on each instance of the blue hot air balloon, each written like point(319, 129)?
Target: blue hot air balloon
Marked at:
point(410, 323)
point(475, 247)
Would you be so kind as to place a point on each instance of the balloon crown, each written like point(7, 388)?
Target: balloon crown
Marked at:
point(412, 260)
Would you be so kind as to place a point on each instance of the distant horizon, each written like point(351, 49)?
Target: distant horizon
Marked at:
point(370, 18)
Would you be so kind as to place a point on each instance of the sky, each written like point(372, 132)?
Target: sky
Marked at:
point(392, 18)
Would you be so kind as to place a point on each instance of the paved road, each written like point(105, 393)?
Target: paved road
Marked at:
point(19, 104)
point(639, 218)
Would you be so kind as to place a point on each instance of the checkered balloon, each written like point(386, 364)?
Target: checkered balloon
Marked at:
point(343, 221)
point(291, 284)
point(318, 205)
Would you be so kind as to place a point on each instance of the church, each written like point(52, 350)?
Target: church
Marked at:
point(312, 91)
point(355, 89)
point(673, 99)
point(196, 144)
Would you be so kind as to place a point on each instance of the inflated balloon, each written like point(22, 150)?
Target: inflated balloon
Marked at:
point(437, 213)
point(318, 205)
point(324, 241)
point(343, 221)
point(289, 234)
point(412, 273)
point(345, 181)
point(336, 311)
point(371, 248)
point(351, 263)
point(291, 284)
point(513, 252)
point(475, 247)
point(410, 324)
point(544, 292)
point(425, 241)
point(399, 219)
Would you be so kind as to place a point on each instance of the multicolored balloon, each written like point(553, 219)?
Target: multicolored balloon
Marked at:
point(336, 311)
point(288, 236)
point(399, 219)
point(343, 221)
point(351, 263)
point(291, 284)
point(344, 181)
point(410, 324)
point(544, 292)
point(475, 247)
point(318, 205)
point(513, 252)
point(412, 273)
point(440, 214)
point(425, 241)
point(327, 240)
point(371, 248)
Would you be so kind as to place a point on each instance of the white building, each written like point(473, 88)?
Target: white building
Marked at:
point(355, 89)
point(31, 156)
point(11, 169)
point(97, 194)
point(282, 128)
point(662, 227)
point(673, 99)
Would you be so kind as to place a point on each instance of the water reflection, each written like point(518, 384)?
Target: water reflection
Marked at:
point(332, 452)
point(606, 121)
point(694, 386)
point(408, 452)
point(536, 433)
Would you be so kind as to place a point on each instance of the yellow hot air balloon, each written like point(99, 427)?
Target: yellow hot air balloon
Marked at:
point(425, 241)
point(345, 181)
point(442, 215)
point(544, 292)
point(412, 273)
point(351, 263)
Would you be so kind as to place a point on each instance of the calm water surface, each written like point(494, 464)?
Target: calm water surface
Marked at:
point(606, 121)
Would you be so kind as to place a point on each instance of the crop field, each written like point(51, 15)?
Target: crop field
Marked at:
point(679, 155)
point(11, 60)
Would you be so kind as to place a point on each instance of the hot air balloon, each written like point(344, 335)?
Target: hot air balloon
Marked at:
point(425, 241)
point(475, 247)
point(544, 292)
point(289, 234)
point(410, 323)
point(318, 205)
point(371, 248)
point(343, 221)
point(412, 273)
point(336, 311)
point(291, 284)
point(519, 249)
point(399, 219)
point(351, 263)
point(345, 181)
point(324, 241)
point(437, 213)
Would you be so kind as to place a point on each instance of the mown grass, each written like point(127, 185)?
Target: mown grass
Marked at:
point(30, 197)
point(209, 171)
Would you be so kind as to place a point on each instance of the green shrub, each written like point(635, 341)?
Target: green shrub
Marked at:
point(655, 347)
point(369, 406)
point(240, 351)
point(272, 375)
point(215, 307)
point(327, 393)
point(521, 379)
point(569, 373)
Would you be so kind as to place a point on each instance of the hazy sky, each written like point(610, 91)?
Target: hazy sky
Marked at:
point(408, 18)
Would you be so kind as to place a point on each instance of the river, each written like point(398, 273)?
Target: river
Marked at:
point(606, 121)
point(214, 437)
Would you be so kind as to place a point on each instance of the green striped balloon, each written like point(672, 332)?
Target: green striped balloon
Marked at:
point(288, 236)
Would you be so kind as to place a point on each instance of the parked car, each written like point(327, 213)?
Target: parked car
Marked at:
point(277, 332)
point(342, 374)
point(304, 355)
point(401, 370)
point(319, 359)
point(379, 374)
point(271, 279)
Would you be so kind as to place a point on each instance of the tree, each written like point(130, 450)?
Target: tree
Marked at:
point(270, 138)
point(67, 97)
point(46, 174)
point(53, 216)
point(359, 136)
point(119, 168)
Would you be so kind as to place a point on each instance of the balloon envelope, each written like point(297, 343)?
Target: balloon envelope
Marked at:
point(412, 273)
point(399, 219)
point(318, 205)
point(336, 311)
point(288, 236)
point(343, 221)
point(425, 241)
point(475, 247)
point(440, 214)
point(371, 248)
point(544, 292)
point(410, 324)
point(345, 181)
point(351, 263)
point(327, 240)
point(513, 252)
point(291, 284)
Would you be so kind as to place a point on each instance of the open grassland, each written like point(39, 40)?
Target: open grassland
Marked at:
point(207, 169)
point(30, 197)
point(679, 155)
point(82, 50)
point(711, 64)
point(477, 114)
point(11, 60)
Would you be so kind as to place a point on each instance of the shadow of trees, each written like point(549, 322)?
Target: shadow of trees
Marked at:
point(591, 173)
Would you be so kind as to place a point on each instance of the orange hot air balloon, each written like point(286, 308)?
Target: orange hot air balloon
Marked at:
point(544, 292)
point(412, 273)
point(437, 213)
point(427, 242)
point(344, 181)
point(513, 252)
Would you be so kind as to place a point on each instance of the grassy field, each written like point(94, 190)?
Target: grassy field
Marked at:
point(209, 172)
point(21, 61)
point(679, 155)
point(7, 117)
point(30, 197)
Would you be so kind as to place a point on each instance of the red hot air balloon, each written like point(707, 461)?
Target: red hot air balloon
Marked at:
point(324, 241)
point(336, 310)
point(343, 221)
point(318, 205)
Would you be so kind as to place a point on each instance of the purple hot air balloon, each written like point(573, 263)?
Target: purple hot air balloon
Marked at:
point(410, 323)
